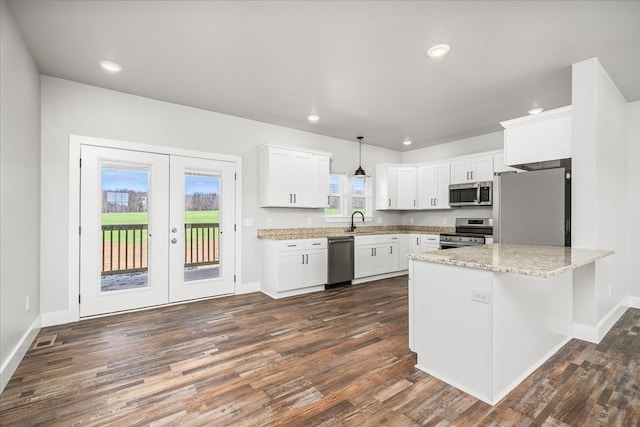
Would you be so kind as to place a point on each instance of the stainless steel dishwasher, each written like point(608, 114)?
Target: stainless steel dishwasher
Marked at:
point(340, 262)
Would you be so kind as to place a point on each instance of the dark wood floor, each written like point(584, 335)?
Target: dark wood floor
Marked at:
point(332, 358)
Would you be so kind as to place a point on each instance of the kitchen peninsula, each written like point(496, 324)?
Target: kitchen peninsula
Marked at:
point(483, 318)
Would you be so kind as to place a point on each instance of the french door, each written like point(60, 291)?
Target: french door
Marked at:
point(155, 229)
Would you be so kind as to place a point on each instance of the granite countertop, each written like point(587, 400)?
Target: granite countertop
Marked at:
point(528, 260)
point(314, 233)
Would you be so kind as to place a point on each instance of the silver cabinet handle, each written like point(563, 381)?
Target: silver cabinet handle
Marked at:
point(389, 202)
point(471, 174)
point(294, 198)
point(290, 198)
point(307, 258)
point(174, 240)
point(174, 230)
point(390, 249)
point(303, 258)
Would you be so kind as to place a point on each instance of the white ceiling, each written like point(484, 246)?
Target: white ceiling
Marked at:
point(360, 65)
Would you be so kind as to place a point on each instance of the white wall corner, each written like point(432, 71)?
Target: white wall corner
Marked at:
point(11, 364)
point(247, 288)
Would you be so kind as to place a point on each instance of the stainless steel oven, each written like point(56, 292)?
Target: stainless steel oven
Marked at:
point(469, 232)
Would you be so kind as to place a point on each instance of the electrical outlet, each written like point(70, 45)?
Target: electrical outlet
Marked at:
point(480, 296)
point(26, 303)
point(248, 222)
point(269, 222)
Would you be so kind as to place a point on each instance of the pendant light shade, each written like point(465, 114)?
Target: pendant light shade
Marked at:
point(360, 171)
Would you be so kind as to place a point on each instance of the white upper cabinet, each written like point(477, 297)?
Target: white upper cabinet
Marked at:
point(386, 187)
point(538, 138)
point(472, 169)
point(433, 186)
point(395, 187)
point(293, 178)
point(406, 187)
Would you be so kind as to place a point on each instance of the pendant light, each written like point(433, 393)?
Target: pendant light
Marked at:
point(360, 172)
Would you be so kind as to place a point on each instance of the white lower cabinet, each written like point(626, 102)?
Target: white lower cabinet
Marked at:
point(375, 255)
point(292, 267)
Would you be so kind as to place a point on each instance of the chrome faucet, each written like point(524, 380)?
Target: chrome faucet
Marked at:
point(353, 226)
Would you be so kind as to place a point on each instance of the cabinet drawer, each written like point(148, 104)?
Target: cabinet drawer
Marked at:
point(374, 240)
point(315, 243)
point(290, 245)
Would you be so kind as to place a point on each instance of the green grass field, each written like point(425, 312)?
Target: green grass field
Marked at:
point(130, 218)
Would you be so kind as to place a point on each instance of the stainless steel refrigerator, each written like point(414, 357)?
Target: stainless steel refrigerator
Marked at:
point(533, 207)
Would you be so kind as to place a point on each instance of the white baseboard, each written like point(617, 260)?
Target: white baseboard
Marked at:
point(11, 364)
point(247, 288)
point(293, 292)
point(633, 302)
point(595, 334)
point(379, 277)
point(444, 378)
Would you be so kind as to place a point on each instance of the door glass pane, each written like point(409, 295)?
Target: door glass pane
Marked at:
point(201, 226)
point(125, 192)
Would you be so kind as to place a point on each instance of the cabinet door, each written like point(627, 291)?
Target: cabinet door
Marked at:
point(460, 171)
point(443, 179)
point(321, 181)
point(291, 269)
point(302, 186)
point(363, 261)
point(406, 188)
point(393, 257)
point(277, 180)
point(482, 168)
point(413, 243)
point(316, 268)
point(427, 181)
point(386, 187)
point(380, 263)
point(403, 250)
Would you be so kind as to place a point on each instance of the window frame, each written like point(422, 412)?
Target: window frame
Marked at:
point(346, 198)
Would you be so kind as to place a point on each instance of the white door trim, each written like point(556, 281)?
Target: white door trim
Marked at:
point(72, 313)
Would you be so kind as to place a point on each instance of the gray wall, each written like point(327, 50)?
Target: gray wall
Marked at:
point(20, 192)
point(70, 108)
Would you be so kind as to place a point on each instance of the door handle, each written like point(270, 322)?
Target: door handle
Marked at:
point(174, 240)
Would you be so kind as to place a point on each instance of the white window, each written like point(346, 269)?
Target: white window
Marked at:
point(348, 194)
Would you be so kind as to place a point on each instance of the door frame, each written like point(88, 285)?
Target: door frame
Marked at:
point(73, 250)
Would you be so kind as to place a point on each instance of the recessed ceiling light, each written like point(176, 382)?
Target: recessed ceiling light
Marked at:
point(407, 142)
point(112, 67)
point(536, 110)
point(313, 118)
point(438, 51)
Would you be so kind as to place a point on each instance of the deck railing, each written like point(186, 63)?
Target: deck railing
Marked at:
point(124, 247)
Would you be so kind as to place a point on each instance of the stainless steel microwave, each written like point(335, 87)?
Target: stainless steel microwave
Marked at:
point(471, 194)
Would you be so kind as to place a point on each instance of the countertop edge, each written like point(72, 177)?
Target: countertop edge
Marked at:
point(441, 257)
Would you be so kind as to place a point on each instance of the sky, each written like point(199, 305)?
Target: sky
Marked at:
point(123, 179)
